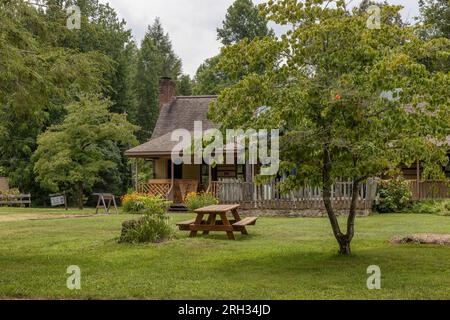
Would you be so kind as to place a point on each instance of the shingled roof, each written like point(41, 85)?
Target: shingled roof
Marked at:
point(180, 113)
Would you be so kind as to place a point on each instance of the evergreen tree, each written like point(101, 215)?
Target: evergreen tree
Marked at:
point(156, 59)
point(242, 21)
point(184, 85)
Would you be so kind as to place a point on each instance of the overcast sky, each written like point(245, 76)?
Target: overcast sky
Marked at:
point(192, 23)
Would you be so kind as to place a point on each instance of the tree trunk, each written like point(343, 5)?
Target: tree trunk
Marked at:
point(344, 247)
point(326, 190)
point(344, 240)
point(80, 195)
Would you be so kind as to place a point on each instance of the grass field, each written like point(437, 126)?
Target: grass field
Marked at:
point(283, 258)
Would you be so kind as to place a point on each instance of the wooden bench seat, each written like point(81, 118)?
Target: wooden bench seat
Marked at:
point(184, 225)
point(250, 221)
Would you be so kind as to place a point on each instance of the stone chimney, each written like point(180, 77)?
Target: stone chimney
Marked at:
point(167, 91)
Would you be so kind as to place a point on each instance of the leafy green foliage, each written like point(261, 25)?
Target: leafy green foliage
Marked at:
point(324, 82)
point(149, 229)
point(209, 80)
point(194, 201)
point(184, 86)
point(242, 21)
point(154, 226)
point(436, 14)
point(141, 203)
point(156, 59)
point(74, 153)
point(394, 195)
point(439, 207)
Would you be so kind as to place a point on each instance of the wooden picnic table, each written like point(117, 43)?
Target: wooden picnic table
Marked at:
point(212, 224)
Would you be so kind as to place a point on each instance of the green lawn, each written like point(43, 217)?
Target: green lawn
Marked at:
point(283, 258)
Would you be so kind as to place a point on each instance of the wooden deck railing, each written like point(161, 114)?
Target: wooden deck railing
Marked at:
point(430, 190)
point(268, 196)
point(11, 200)
point(164, 187)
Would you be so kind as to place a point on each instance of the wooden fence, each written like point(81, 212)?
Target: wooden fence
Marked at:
point(268, 196)
point(430, 190)
point(12, 200)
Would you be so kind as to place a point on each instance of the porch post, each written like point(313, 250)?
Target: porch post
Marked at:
point(136, 172)
point(418, 179)
point(209, 175)
point(172, 173)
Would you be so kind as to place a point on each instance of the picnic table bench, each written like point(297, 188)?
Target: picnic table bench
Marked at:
point(20, 199)
point(212, 224)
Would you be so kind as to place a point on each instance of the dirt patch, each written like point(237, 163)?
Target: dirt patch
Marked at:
point(425, 238)
point(31, 216)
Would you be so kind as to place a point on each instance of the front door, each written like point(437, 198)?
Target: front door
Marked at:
point(177, 171)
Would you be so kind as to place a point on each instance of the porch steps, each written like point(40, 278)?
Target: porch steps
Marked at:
point(178, 208)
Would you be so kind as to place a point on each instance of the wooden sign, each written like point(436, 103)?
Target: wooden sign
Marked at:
point(58, 199)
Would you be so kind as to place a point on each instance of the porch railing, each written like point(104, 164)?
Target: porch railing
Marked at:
point(268, 196)
point(156, 187)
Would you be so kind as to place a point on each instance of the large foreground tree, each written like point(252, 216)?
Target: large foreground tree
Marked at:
point(351, 101)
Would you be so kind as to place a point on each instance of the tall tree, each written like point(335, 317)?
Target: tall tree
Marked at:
point(242, 21)
point(73, 155)
point(101, 31)
point(209, 80)
point(323, 85)
point(147, 84)
point(37, 78)
point(184, 85)
point(156, 59)
point(436, 14)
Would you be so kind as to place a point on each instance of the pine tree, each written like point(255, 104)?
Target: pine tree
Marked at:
point(156, 59)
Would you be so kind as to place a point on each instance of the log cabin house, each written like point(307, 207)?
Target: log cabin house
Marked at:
point(230, 183)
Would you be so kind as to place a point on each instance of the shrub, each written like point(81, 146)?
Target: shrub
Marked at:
point(10, 192)
point(194, 200)
point(150, 228)
point(440, 207)
point(140, 203)
point(154, 226)
point(393, 195)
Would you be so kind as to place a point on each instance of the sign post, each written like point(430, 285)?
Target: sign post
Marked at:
point(58, 199)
